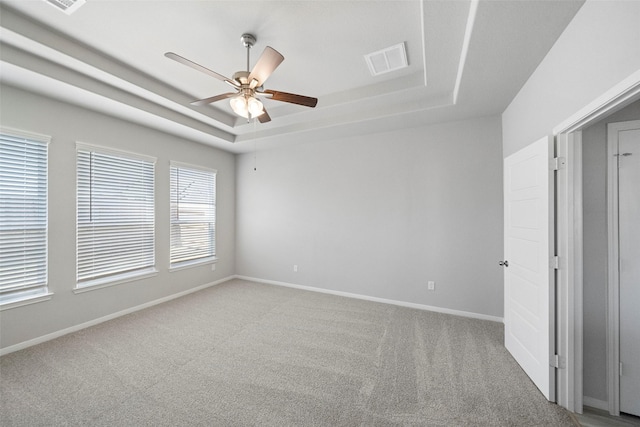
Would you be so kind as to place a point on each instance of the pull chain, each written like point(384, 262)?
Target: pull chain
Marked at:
point(255, 155)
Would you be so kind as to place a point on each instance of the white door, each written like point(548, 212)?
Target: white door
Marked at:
point(628, 135)
point(529, 290)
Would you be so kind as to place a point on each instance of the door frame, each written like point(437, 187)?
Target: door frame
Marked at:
point(569, 322)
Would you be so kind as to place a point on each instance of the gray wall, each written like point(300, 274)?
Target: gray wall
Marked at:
point(380, 215)
point(594, 175)
point(597, 50)
point(68, 124)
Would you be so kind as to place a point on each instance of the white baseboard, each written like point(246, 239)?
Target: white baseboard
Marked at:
point(376, 299)
point(111, 316)
point(595, 403)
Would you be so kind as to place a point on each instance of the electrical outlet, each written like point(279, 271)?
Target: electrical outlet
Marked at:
point(295, 268)
point(213, 267)
point(431, 285)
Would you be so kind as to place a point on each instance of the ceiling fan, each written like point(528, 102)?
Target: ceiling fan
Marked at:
point(249, 84)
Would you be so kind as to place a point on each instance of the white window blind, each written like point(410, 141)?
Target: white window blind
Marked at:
point(23, 217)
point(193, 215)
point(115, 216)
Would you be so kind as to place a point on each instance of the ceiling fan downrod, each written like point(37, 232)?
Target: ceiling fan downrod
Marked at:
point(248, 40)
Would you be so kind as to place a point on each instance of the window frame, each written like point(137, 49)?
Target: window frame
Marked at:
point(123, 277)
point(210, 259)
point(41, 291)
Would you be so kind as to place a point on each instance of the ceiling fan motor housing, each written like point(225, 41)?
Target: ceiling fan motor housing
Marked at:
point(241, 77)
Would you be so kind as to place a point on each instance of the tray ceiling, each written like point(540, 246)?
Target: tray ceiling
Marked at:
point(465, 59)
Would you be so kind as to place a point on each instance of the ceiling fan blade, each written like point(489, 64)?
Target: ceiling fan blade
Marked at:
point(292, 98)
point(268, 61)
point(212, 99)
point(264, 117)
point(199, 67)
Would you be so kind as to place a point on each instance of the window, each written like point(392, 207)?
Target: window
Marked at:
point(193, 215)
point(115, 216)
point(23, 216)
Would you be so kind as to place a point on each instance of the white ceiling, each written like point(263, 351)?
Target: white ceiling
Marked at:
point(465, 59)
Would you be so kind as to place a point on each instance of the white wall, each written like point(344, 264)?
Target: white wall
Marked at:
point(597, 50)
point(380, 215)
point(68, 124)
point(594, 175)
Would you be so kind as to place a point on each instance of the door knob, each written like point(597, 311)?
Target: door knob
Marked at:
point(504, 263)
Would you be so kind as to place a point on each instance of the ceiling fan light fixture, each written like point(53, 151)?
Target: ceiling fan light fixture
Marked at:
point(239, 106)
point(254, 106)
point(246, 106)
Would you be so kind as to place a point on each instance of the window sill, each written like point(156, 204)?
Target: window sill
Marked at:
point(92, 285)
point(25, 301)
point(188, 264)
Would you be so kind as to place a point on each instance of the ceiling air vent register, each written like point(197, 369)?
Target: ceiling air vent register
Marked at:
point(386, 60)
point(66, 6)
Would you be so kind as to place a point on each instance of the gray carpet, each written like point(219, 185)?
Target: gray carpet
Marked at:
point(244, 354)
